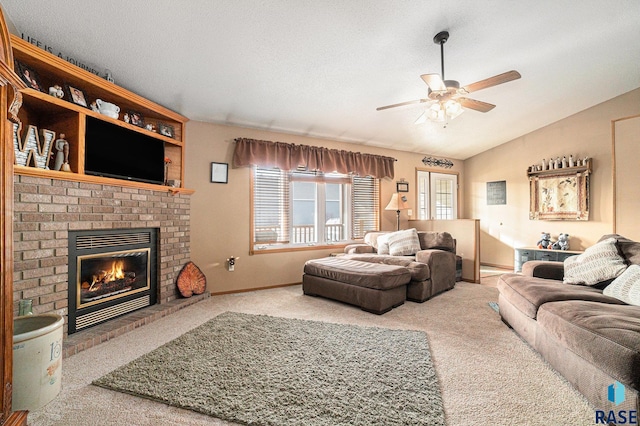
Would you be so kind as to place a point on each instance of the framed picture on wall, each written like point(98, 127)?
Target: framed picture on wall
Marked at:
point(402, 186)
point(496, 192)
point(219, 172)
point(559, 196)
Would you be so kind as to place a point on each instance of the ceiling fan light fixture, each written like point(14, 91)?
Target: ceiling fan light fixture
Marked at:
point(444, 111)
point(453, 108)
point(436, 113)
point(445, 95)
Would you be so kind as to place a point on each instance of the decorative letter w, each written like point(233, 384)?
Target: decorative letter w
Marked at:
point(31, 151)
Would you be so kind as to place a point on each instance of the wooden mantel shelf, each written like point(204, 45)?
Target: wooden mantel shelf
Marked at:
point(75, 177)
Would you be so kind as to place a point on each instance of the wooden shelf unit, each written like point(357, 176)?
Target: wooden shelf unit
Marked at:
point(562, 170)
point(62, 116)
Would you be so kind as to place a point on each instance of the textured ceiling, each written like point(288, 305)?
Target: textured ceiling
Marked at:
point(321, 67)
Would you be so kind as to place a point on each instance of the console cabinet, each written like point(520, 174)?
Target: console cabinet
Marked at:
point(63, 116)
point(526, 254)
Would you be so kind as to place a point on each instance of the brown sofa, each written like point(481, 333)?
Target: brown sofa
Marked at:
point(433, 268)
point(591, 339)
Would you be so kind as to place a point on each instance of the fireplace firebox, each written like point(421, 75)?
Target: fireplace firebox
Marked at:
point(111, 273)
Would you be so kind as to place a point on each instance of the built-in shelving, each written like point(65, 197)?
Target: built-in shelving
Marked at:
point(63, 116)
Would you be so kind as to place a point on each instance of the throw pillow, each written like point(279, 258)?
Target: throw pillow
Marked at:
point(404, 243)
point(383, 244)
point(626, 287)
point(598, 263)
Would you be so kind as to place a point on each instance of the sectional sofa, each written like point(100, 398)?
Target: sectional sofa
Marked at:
point(588, 331)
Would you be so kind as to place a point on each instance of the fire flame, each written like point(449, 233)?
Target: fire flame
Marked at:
point(116, 273)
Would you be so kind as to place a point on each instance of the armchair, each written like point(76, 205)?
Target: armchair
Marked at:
point(432, 265)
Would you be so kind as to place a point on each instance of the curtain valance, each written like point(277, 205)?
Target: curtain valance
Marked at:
point(287, 156)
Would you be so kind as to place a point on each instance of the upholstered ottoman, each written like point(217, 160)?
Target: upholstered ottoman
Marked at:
point(374, 287)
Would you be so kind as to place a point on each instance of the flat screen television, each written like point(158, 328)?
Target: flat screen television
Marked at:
point(117, 152)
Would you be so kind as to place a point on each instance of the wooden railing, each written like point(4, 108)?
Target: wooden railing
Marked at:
point(301, 234)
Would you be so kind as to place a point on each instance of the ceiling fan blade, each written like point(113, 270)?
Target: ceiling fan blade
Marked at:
point(417, 101)
point(491, 81)
point(434, 81)
point(476, 105)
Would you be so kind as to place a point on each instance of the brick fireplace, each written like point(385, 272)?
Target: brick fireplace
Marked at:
point(46, 210)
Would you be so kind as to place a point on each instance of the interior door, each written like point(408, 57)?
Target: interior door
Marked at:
point(437, 195)
point(626, 139)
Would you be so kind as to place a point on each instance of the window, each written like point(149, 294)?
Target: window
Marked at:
point(294, 209)
point(437, 195)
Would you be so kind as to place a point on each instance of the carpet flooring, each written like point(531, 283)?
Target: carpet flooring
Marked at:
point(263, 370)
point(487, 374)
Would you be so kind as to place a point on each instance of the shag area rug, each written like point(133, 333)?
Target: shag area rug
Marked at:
point(262, 370)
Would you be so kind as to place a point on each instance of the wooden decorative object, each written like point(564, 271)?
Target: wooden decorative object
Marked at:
point(10, 103)
point(191, 280)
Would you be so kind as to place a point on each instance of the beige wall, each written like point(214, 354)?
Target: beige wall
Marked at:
point(504, 227)
point(220, 213)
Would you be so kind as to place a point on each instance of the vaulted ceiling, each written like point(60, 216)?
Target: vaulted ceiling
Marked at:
point(321, 67)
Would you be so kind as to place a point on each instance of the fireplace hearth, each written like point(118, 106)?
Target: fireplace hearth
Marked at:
point(111, 273)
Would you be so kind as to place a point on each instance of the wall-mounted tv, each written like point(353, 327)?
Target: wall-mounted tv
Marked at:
point(114, 151)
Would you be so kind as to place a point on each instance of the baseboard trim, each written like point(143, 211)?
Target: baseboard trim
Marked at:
point(493, 265)
point(246, 290)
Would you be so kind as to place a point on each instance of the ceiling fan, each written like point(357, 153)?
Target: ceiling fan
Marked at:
point(446, 96)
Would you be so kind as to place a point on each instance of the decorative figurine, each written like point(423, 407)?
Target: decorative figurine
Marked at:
point(571, 162)
point(94, 106)
point(108, 76)
point(62, 156)
point(562, 243)
point(126, 118)
point(56, 91)
point(545, 241)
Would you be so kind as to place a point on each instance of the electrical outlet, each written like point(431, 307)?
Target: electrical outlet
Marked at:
point(231, 263)
point(410, 212)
